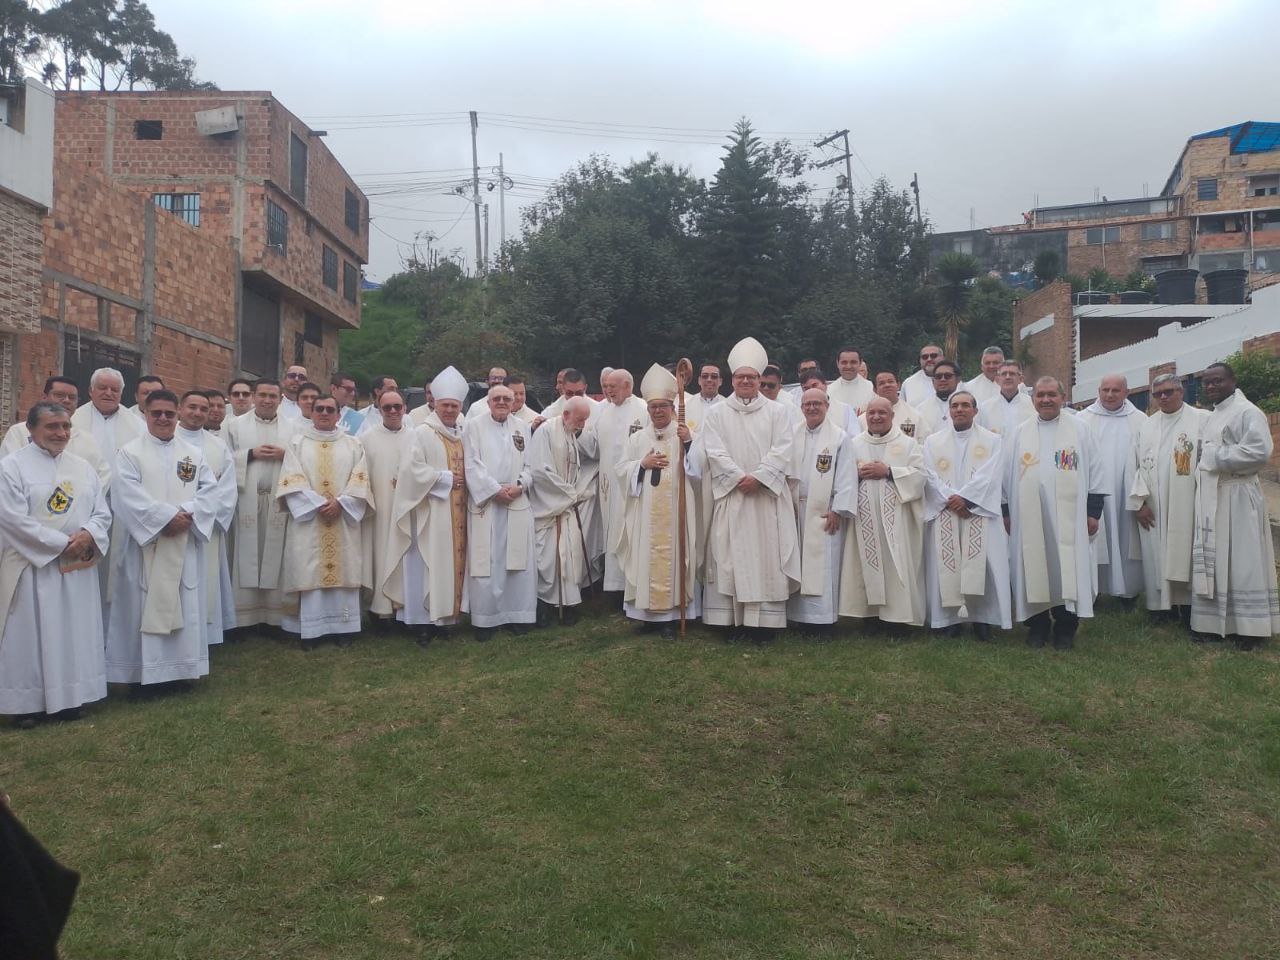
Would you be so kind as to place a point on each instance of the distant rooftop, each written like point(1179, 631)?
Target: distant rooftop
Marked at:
point(1248, 137)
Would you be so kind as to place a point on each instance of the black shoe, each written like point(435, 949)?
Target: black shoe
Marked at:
point(571, 616)
point(309, 644)
point(69, 715)
point(545, 614)
point(343, 640)
point(482, 634)
point(1246, 643)
point(667, 631)
point(1037, 636)
point(426, 634)
point(1064, 638)
point(519, 629)
point(27, 721)
point(1198, 636)
point(982, 631)
point(736, 635)
point(1128, 603)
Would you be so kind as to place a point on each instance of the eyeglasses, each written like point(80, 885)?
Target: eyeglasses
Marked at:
point(332, 410)
point(295, 376)
point(499, 399)
point(162, 414)
point(241, 393)
point(930, 356)
point(392, 407)
point(1161, 394)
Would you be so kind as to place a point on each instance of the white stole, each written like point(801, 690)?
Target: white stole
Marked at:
point(1067, 457)
point(962, 543)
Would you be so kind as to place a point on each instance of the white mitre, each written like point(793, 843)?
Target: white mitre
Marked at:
point(658, 384)
point(750, 354)
point(449, 384)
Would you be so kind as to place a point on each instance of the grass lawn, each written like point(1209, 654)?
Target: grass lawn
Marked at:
point(594, 793)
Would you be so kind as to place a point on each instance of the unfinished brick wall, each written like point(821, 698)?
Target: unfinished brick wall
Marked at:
point(1049, 352)
point(20, 254)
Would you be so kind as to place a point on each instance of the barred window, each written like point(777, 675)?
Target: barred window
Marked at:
point(1096, 235)
point(313, 328)
point(184, 206)
point(350, 281)
point(329, 267)
point(277, 227)
point(353, 213)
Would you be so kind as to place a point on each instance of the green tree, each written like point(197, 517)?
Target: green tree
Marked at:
point(1047, 267)
point(20, 39)
point(954, 275)
point(1258, 375)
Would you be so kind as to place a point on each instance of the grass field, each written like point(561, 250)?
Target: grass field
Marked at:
point(600, 794)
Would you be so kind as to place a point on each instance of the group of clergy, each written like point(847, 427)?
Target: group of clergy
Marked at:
point(132, 540)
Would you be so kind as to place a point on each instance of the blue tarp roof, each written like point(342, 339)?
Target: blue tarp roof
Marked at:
point(1248, 137)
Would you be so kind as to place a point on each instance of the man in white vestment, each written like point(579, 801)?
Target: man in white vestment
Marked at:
point(823, 476)
point(217, 413)
point(519, 392)
point(966, 548)
point(240, 397)
point(324, 484)
point(936, 409)
point(839, 413)
point(573, 384)
point(1233, 563)
point(1162, 497)
point(147, 385)
point(753, 557)
point(497, 377)
point(881, 575)
point(905, 417)
point(386, 446)
point(1004, 412)
point(771, 389)
point(111, 427)
point(852, 388)
point(647, 541)
point(308, 394)
point(502, 575)
point(258, 440)
point(987, 383)
point(373, 412)
point(425, 577)
point(342, 387)
point(163, 495)
point(54, 525)
point(1056, 489)
point(562, 450)
point(292, 381)
point(220, 607)
point(918, 387)
point(697, 407)
point(64, 392)
point(622, 415)
point(1115, 423)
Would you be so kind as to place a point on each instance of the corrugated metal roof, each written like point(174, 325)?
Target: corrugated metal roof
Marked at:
point(1251, 136)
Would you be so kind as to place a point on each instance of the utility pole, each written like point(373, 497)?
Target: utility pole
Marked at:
point(475, 191)
point(915, 186)
point(847, 158)
point(486, 236)
point(502, 206)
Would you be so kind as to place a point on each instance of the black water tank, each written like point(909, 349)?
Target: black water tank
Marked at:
point(1177, 286)
point(1135, 296)
point(1227, 286)
point(1085, 297)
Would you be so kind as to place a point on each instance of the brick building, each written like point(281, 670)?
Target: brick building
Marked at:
point(1219, 209)
point(26, 193)
point(196, 236)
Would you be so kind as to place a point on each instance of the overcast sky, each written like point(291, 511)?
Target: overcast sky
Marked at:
point(993, 104)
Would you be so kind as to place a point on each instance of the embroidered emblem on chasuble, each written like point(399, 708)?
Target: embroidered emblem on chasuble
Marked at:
point(329, 530)
point(635, 427)
point(980, 452)
point(944, 464)
point(60, 500)
point(1066, 459)
point(518, 439)
point(823, 464)
point(908, 429)
point(1182, 455)
point(186, 470)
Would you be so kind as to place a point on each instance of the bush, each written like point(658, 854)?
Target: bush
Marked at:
point(1258, 375)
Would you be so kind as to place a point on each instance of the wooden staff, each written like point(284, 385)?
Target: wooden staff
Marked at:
point(684, 374)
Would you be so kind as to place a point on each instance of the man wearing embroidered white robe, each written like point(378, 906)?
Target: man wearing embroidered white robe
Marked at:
point(54, 523)
point(163, 495)
point(64, 392)
point(324, 484)
point(1115, 423)
point(918, 387)
point(1233, 564)
point(621, 416)
point(966, 557)
point(946, 380)
point(386, 447)
point(240, 397)
point(426, 548)
point(841, 414)
point(146, 385)
point(220, 608)
point(1162, 497)
point(881, 575)
point(502, 575)
point(1007, 409)
point(697, 406)
point(258, 440)
point(1056, 490)
point(906, 417)
point(753, 558)
point(292, 381)
point(822, 474)
point(987, 383)
point(562, 449)
point(647, 541)
point(851, 388)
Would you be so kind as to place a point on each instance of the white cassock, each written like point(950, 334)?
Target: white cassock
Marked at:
point(51, 639)
point(855, 393)
point(753, 555)
point(110, 434)
point(323, 569)
point(258, 544)
point(695, 412)
point(561, 502)
point(1004, 416)
point(426, 549)
point(220, 607)
point(288, 409)
point(1052, 472)
point(158, 627)
point(647, 541)
point(981, 388)
point(907, 419)
point(481, 407)
point(1233, 563)
point(1166, 458)
point(614, 424)
point(917, 388)
point(822, 474)
point(935, 411)
point(966, 560)
point(81, 444)
point(502, 575)
point(384, 452)
point(881, 573)
point(372, 418)
point(1116, 549)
